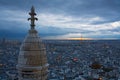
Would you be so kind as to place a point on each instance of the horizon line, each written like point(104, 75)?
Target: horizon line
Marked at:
point(81, 39)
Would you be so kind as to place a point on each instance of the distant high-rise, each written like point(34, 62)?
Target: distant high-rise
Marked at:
point(32, 59)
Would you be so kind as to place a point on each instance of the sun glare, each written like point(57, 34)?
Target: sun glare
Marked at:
point(79, 38)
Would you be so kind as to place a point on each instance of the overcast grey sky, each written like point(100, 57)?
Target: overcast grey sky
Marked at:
point(62, 18)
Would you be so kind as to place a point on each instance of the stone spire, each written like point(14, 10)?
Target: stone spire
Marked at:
point(32, 59)
point(33, 18)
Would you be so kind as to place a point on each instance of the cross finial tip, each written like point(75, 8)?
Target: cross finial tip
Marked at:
point(32, 18)
point(32, 7)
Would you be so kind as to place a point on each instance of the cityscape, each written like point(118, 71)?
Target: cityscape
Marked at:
point(60, 40)
point(68, 59)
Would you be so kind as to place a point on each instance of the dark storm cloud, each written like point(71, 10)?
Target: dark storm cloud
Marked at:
point(108, 10)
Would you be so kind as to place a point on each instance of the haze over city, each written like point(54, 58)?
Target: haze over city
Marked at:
point(62, 19)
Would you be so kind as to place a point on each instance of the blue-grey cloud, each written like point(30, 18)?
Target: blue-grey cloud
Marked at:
point(107, 8)
point(68, 16)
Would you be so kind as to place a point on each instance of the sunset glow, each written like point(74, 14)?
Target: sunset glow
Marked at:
point(79, 38)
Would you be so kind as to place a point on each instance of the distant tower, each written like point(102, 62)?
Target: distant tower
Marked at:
point(32, 59)
point(81, 39)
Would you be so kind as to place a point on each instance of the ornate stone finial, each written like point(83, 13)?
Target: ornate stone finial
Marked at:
point(33, 18)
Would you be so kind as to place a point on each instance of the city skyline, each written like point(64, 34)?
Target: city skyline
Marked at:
point(62, 19)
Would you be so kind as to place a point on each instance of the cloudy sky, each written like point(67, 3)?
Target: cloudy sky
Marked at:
point(62, 18)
